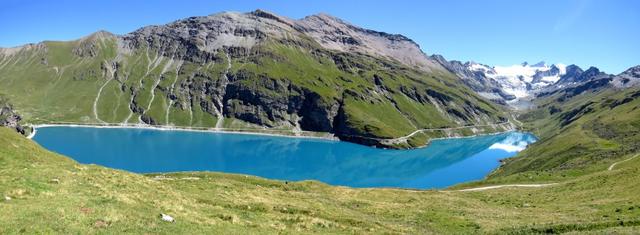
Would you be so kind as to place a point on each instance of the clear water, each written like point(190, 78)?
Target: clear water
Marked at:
point(443, 163)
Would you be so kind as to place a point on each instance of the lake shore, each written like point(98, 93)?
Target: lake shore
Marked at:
point(301, 134)
point(259, 132)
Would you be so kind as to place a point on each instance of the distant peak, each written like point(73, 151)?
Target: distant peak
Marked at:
point(593, 69)
point(540, 64)
point(327, 19)
point(324, 15)
point(633, 71)
point(99, 35)
point(264, 14)
point(268, 15)
point(524, 64)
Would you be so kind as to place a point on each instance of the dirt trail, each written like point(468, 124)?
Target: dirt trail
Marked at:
point(505, 186)
point(616, 163)
point(533, 185)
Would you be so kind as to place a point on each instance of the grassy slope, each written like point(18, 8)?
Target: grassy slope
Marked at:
point(51, 193)
point(604, 129)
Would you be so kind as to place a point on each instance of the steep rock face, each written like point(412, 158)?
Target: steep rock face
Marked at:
point(197, 38)
point(273, 102)
point(335, 34)
point(542, 75)
point(8, 117)
point(572, 74)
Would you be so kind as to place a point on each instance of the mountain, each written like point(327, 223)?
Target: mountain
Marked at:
point(571, 75)
point(524, 83)
point(583, 123)
point(628, 78)
point(477, 77)
point(590, 81)
point(505, 84)
point(257, 70)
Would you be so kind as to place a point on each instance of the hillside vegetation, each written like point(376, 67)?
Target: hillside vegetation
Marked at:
point(578, 134)
point(47, 193)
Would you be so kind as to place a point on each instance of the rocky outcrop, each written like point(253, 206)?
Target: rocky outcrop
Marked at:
point(539, 76)
point(197, 39)
point(268, 102)
point(576, 82)
point(8, 117)
point(572, 75)
point(336, 34)
point(628, 78)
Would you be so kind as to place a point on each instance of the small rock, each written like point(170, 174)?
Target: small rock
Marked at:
point(86, 210)
point(167, 218)
point(55, 181)
point(100, 224)
point(7, 198)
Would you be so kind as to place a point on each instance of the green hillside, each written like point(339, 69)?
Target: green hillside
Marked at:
point(578, 135)
point(47, 193)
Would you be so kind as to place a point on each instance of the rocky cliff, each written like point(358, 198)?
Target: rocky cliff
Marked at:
point(8, 117)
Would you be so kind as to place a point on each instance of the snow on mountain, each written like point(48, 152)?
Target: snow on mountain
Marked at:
point(506, 84)
point(517, 85)
point(522, 80)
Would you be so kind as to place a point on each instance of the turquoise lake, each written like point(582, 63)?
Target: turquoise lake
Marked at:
point(443, 163)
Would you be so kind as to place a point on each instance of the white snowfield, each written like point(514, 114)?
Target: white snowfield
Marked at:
point(519, 80)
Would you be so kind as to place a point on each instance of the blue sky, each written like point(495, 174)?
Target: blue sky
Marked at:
point(603, 33)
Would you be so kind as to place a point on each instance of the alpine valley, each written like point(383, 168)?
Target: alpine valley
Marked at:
point(249, 71)
point(317, 76)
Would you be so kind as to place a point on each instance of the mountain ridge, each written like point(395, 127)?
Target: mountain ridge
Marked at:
point(250, 70)
point(518, 84)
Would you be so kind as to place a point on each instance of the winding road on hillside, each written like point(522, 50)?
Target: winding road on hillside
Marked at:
point(406, 137)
